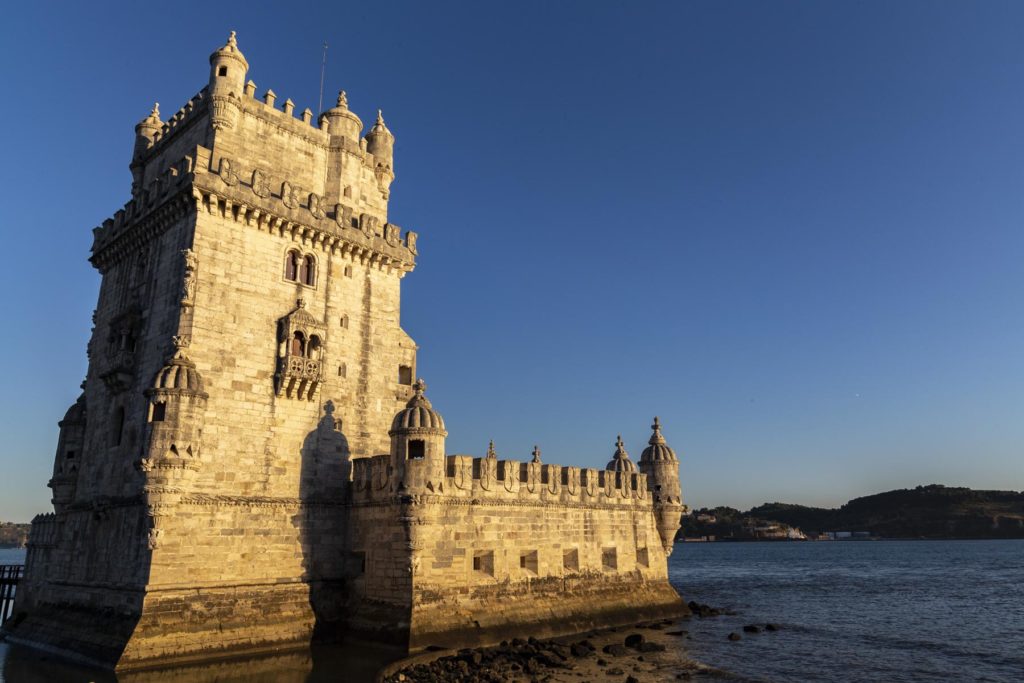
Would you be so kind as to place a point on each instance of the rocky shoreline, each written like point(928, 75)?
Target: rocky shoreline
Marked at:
point(643, 653)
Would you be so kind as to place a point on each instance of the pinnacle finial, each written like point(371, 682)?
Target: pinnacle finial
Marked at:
point(156, 110)
point(419, 386)
point(656, 437)
point(342, 99)
point(232, 40)
point(491, 453)
point(380, 117)
point(536, 454)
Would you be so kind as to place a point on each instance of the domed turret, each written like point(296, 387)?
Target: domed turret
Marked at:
point(179, 375)
point(658, 449)
point(228, 67)
point(177, 410)
point(417, 444)
point(341, 122)
point(661, 466)
point(381, 144)
point(146, 130)
point(227, 84)
point(70, 444)
point(620, 462)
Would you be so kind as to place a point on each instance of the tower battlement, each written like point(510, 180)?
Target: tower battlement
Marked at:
point(250, 438)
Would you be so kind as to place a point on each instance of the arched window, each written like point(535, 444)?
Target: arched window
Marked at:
point(314, 346)
point(298, 345)
point(291, 266)
point(308, 271)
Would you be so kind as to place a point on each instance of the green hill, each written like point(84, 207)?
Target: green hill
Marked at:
point(924, 512)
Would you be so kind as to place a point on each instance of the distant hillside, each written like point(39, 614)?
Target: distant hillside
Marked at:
point(13, 535)
point(923, 512)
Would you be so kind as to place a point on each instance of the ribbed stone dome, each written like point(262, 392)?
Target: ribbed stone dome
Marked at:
point(76, 413)
point(179, 374)
point(620, 462)
point(418, 414)
point(658, 448)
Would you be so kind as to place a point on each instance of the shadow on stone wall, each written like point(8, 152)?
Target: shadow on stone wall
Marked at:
point(323, 523)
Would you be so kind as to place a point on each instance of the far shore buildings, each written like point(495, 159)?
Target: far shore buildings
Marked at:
point(252, 462)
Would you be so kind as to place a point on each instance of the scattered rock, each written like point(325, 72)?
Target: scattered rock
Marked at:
point(676, 633)
point(616, 650)
point(771, 627)
point(751, 628)
point(580, 649)
point(635, 640)
point(632, 679)
point(615, 671)
point(734, 636)
point(602, 662)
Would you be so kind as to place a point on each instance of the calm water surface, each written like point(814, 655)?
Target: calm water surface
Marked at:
point(890, 611)
point(860, 611)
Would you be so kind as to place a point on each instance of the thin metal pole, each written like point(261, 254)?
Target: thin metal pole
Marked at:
point(323, 69)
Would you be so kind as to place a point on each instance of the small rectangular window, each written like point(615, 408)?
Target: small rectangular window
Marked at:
point(348, 271)
point(222, 71)
point(571, 560)
point(356, 562)
point(642, 557)
point(342, 370)
point(417, 449)
point(609, 559)
point(405, 375)
point(159, 412)
point(70, 455)
point(528, 562)
point(483, 562)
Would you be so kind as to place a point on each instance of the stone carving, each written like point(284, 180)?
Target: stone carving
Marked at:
point(314, 205)
point(410, 242)
point(260, 183)
point(289, 195)
point(392, 234)
point(343, 215)
point(368, 224)
point(227, 173)
point(188, 286)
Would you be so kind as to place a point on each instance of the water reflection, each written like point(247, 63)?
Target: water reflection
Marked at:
point(355, 663)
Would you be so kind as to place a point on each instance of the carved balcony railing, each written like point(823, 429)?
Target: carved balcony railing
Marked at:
point(117, 369)
point(298, 376)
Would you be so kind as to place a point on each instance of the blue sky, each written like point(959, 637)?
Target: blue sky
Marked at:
point(791, 229)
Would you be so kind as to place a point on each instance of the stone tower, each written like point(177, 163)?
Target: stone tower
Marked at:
point(246, 349)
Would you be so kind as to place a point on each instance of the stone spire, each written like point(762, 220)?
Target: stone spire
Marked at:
point(491, 453)
point(620, 462)
point(536, 454)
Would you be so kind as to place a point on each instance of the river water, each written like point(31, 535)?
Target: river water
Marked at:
point(893, 611)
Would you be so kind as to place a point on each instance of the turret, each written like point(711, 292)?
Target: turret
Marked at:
point(227, 84)
point(620, 461)
point(228, 68)
point(342, 123)
point(381, 143)
point(417, 445)
point(146, 132)
point(177, 408)
point(659, 463)
point(69, 453)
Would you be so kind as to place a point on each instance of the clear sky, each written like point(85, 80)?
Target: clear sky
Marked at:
point(791, 229)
